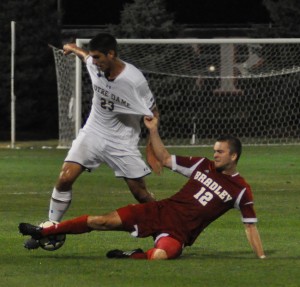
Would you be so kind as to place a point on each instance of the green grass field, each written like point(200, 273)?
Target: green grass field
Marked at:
point(221, 256)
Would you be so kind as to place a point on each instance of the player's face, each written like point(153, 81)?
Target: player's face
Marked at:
point(224, 160)
point(101, 60)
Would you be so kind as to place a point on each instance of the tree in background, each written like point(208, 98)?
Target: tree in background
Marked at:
point(146, 19)
point(286, 17)
point(35, 79)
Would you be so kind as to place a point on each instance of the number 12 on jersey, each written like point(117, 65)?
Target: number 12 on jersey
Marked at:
point(203, 196)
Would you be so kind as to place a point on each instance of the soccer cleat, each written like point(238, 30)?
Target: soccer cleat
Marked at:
point(31, 244)
point(116, 253)
point(29, 229)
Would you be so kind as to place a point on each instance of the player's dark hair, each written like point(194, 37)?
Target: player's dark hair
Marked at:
point(103, 43)
point(235, 145)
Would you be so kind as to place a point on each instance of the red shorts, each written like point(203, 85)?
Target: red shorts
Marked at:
point(150, 219)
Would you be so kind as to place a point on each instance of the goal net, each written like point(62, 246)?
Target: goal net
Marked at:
point(203, 88)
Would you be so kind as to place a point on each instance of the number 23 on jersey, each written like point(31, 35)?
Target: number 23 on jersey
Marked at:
point(105, 104)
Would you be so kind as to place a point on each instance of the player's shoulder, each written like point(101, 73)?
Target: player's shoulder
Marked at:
point(189, 161)
point(133, 74)
point(89, 61)
point(90, 66)
point(241, 181)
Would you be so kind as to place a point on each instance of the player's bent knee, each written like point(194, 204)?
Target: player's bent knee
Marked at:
point(156, 254)
point(159, 254)
point(170, 245)
point(68, 175)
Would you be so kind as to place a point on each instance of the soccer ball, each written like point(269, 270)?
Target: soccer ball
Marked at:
point(51, 242)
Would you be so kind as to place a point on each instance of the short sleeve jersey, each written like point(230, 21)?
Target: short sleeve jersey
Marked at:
point(205, 197)
point(118, 105)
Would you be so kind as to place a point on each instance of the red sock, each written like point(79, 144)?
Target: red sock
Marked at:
point(171, 246)
point(150, 252)
point(139, 256)
point(73, 226)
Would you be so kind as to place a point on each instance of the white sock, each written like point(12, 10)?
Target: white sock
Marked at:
point(59, 204)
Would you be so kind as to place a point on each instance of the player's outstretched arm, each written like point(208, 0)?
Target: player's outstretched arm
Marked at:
point(254, 240)
point(158, 147)
point(151, 158)
point(73, 48)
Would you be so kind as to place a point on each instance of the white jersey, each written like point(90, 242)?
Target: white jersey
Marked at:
point(119, 105)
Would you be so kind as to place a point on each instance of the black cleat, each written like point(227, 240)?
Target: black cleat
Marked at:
point(116, 253)
point(29, 229)
point(31, 244)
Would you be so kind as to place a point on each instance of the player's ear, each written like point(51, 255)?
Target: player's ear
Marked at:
point(111, 54)
point(234, 156)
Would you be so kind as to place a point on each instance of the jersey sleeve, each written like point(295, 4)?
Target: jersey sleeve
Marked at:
point(92, 69)
point(245, 204)
point(185, 165)
point(144, 91)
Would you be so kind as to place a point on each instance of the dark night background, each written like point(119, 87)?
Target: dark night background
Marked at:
point(186, 12)
point(57, 21)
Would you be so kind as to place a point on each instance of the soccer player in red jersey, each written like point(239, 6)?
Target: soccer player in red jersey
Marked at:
point(213, 188)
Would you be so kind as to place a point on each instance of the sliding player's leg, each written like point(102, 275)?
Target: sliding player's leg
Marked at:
point(78, 225)
point(165, 248)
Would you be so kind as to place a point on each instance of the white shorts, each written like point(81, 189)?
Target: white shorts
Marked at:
point(90, 150)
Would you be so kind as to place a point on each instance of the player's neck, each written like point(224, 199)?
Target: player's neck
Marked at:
point(230, 171)
point(116, 69)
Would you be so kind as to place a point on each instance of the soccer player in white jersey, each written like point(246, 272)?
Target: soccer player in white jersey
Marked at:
point(111, 134)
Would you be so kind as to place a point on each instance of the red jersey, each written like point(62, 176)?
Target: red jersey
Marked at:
point(206, 196)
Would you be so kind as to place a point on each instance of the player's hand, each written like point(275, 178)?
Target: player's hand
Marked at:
point(69, 48)
point(151, 122)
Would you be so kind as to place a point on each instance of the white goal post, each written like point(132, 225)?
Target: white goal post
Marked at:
point(203, 88)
